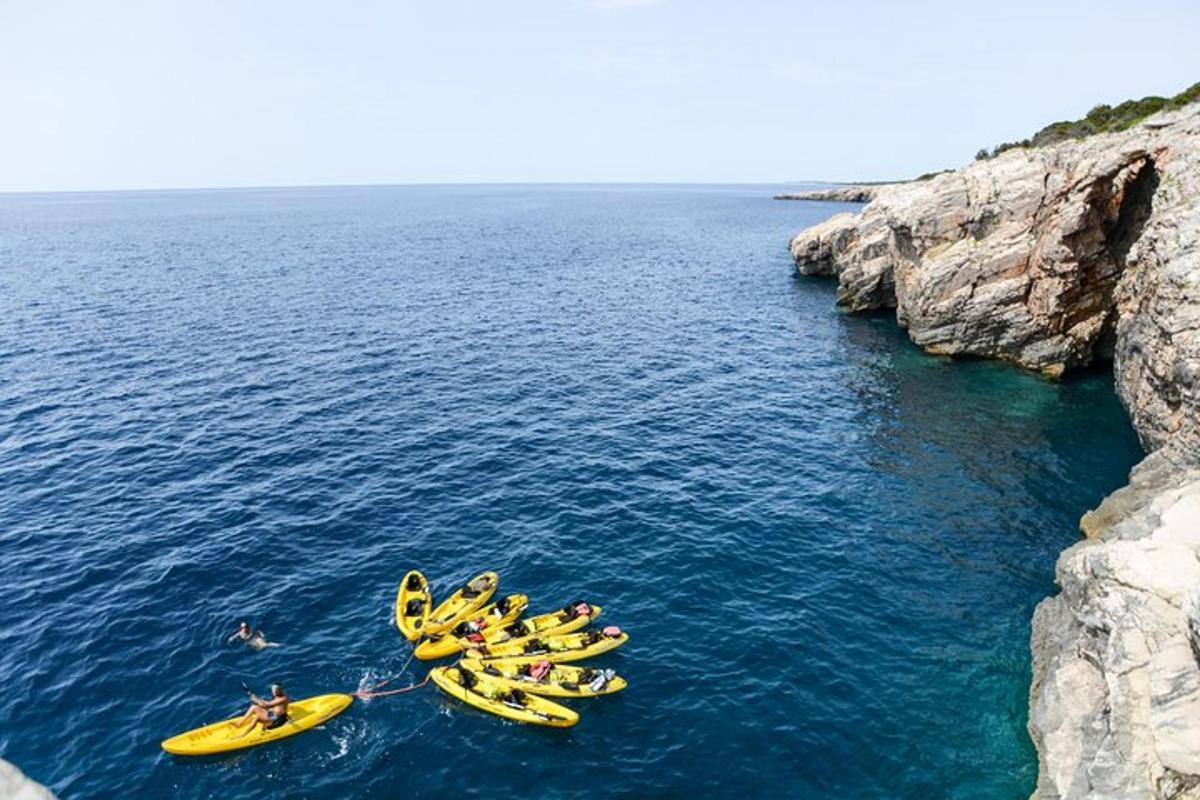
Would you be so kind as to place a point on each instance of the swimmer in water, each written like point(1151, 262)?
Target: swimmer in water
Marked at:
point(254, 638)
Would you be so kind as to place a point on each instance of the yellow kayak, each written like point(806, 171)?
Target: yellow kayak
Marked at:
point(460, 605)
point(558, 680)
point(219, 737)
point(413, 604)
point(556, 649)
point(568, 619)
point(485, 695)
point(493, 617)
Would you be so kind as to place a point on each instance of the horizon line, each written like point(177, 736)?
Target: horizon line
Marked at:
point(254, 187)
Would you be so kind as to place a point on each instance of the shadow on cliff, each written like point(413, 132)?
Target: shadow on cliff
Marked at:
point(1119, 232)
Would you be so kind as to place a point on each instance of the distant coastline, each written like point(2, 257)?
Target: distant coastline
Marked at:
point(850, 193)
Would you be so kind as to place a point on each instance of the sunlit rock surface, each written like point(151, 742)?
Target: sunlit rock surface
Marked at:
point(1052, 258)
point(15, 786)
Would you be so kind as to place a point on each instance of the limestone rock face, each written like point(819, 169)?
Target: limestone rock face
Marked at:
point(15, 786)
point(1158, 303)
point(1019, 257)
point(1051, 258)
point(1115, 704)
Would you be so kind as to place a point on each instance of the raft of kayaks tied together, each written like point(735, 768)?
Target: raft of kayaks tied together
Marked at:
point(508, 666)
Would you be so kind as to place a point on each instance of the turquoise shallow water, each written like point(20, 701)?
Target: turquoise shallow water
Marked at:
point(826, 545)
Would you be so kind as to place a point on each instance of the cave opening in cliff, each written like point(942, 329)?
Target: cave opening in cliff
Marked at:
point(1137, 202)
point(1120, 227)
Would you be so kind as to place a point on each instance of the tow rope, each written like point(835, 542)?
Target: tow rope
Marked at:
point(374, 690)
point(366, 694)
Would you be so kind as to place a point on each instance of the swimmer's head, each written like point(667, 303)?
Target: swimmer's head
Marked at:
point(245, 626)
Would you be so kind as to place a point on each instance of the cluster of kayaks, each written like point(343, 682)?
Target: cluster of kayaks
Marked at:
point(507, 665)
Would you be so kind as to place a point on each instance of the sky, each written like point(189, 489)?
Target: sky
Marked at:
point(160, 94)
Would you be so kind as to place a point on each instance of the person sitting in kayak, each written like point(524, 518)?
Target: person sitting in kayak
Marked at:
point(415, 607)
point(470, 635)
point(479, 649)
point(574, 610)
point(553, 644)
point(535, 645)
point(468, 681)
point(535, 671)
point(476, 587)
point(471, 629)
point(254, 638)
point(501, 608)
point(593, 637)
point(517, 629)
point(268, 713)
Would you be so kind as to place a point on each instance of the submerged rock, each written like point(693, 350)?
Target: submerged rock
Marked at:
point(1052, 258)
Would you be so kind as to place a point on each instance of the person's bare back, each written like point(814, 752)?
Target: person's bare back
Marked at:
point(252, 637)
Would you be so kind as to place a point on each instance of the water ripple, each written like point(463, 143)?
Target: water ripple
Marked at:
point(270, 404)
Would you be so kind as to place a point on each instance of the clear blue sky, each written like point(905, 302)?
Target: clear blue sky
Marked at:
point(158, 94)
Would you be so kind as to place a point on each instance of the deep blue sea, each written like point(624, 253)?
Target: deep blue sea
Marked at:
point(270, 404)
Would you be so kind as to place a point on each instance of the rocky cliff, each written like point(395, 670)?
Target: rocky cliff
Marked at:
point(1052, 258)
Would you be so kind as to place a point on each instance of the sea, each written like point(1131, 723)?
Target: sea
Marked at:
point(270, 404)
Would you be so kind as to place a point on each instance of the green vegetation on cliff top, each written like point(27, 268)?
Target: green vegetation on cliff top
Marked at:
point(1101, 119)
